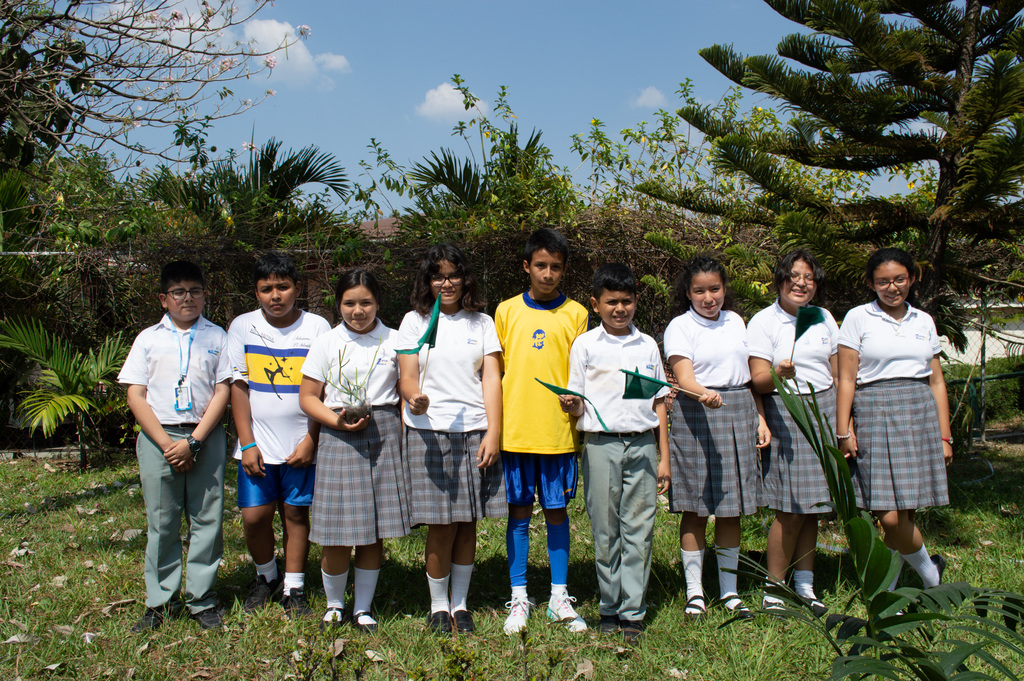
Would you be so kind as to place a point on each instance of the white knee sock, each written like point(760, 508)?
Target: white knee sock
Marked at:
point(693, 568)
point(334, 589)
point(923, 565)
point(896, 579)
point(438, 593)
point(728, 561)
point(365, 584)
point(460, 585)
point(803, 584)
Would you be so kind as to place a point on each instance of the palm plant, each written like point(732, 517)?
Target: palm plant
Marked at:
point(71, 384)
point(926, 634)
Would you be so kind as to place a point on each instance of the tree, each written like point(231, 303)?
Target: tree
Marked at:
point(887, 86)
point(77, 70)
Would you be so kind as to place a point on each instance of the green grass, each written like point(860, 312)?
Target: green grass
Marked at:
point(79, 563)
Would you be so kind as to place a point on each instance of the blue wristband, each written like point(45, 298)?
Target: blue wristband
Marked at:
point(248, 446)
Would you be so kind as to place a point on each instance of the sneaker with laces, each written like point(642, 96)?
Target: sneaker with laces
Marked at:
point(518, 613)
point(560, 610)
point(152, 619)
point(261, 592)
point(208, 619)
point(295, 605)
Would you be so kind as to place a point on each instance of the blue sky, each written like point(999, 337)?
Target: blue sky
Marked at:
point(378, 69)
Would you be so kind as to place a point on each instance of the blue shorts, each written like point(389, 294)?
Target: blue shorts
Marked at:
point(293, 486)
point(552, 477)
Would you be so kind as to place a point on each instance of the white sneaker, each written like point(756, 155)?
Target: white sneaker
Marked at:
point(560, 610)
point(518, 612)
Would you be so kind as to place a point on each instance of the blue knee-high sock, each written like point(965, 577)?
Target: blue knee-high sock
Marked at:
point(558, 552)
point(517, 545)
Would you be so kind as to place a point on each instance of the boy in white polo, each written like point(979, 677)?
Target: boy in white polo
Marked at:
point(178, 374)
point(625, 459)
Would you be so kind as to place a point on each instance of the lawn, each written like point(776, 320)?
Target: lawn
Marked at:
point(72, 586)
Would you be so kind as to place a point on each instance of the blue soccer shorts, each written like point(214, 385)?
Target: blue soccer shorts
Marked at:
point(282, 482)
point(551, 477)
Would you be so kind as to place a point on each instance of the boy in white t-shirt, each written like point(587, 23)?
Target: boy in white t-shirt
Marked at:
point(625, 448)
point(276, 441)
point(177, 374)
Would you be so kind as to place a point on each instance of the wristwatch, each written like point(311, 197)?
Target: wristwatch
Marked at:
point(194, 445)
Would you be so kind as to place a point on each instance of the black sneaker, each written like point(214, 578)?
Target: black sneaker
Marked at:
point(940, 564)
point(153, 618)
point(261, 592)
point(295, 605)
point(632, 630)
point(208, 619)
point(609, 624)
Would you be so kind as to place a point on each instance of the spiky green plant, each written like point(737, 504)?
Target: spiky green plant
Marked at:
point(72, 384)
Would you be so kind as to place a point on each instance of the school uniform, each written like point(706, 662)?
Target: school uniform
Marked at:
point(791, 472)
point(620, 464)
point(164, 358)
point(362, 491)
point(713, 451)
point(441, 444)
point(899, 462)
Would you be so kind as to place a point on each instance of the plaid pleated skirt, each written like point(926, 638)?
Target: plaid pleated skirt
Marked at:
point(447, 487)
point(362, 490)
point(714, 456)
point(899, 464)
point(793, 479)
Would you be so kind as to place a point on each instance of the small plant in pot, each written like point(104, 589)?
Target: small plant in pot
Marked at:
point(354, 390)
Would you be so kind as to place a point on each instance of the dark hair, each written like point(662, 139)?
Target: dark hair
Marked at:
point(615, 276)
point(898, 256)
point(785, 266)
point(179, 271)
point(549, 240)
point(274, 264)
point(700, 264)
point(422, 297)
point(356, 277)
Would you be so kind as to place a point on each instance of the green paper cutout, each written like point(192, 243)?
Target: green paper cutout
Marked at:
point(565, 391)
point(429, 336)
point(641, 387)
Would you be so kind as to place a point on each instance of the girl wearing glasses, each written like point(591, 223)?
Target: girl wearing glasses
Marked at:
point(891, 388)
point(453, 419)
point(794, 483)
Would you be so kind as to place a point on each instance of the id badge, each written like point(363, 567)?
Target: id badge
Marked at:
point(183, 398)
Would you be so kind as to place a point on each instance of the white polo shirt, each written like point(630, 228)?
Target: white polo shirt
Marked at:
point(453, 371)
point(269, 360)
point(595, 361)
point(890, 348)
point(718, 349)
point(159, 356)
point(770, 336)
point(372, 352)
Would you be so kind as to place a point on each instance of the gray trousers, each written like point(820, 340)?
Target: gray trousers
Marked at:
point(620, 486)
point(199, 493)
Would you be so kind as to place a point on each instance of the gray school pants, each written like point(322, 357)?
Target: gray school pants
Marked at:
point(620, 486)
point(199, 493)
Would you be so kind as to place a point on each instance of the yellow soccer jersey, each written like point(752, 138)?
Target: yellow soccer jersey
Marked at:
point(535, 340)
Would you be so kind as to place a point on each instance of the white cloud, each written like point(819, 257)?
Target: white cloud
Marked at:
point(444, 103)
point(649, 98)
point(296, 67)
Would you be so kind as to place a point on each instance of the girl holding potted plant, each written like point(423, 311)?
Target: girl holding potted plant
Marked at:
point(362, 493)
point(452, 390)
point(891, 388)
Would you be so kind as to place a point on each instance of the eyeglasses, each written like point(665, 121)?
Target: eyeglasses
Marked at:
point(178, 294)
point(885, 283)
point(437, 280)
point(796, 278)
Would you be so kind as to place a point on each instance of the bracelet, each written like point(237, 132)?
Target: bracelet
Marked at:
point(844, 437)
point(948, 440)
point(248, 446)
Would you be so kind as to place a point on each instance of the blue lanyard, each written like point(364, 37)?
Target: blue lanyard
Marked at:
point(183, 372)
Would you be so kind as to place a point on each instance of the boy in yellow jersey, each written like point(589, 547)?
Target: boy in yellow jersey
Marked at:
point(538, 446)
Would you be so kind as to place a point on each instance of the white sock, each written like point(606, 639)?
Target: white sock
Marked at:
point(923, 565)
point(803, 584)
point(558, 590)
point(899, 556)
point(268, 570)
point(364, 584)
point(334, 589)
point(438, 593)
point(294, 580)
point(461, 575)
point(693, 568)
point(519, 593)
point(728, 561)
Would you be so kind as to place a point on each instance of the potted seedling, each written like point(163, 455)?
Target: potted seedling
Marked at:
point(353, 391)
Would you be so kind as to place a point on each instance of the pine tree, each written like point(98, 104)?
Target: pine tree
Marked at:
point(879, 87)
